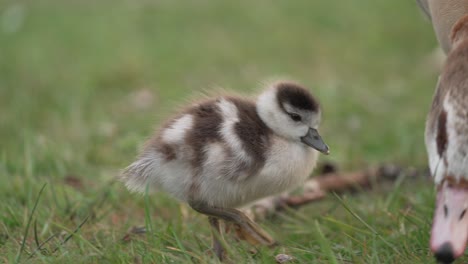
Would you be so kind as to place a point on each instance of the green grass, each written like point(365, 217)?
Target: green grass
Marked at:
point(74, 77)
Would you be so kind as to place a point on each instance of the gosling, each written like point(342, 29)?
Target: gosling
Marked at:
point(223, 153)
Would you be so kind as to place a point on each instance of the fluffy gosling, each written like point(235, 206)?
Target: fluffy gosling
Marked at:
point(222, 153)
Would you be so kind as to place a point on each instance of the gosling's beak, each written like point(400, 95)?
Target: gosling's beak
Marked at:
point(313, 139)
point(450, 226)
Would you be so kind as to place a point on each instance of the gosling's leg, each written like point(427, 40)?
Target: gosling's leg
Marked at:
point(216, 233)
point(245, 228)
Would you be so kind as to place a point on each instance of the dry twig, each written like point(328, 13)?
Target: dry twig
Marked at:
point(330, 180)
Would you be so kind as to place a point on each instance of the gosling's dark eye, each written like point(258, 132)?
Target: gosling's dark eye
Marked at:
point(295, 117)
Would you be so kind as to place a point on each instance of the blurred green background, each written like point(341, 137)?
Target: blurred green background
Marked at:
point(84, 83)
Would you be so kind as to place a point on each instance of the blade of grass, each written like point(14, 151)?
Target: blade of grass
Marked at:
point(411, 218)
point(348, 208)
point(72, 234)
point(165, 254)
point(26, 231)
point(100, 200)
point(375, 252)
point(325, 245)
point(148, 221)
point(11, 215)
point(36, 239)
point(396, 190)
point(181, 246)
point(54, 196)
point(39, 247)
point(341, 224)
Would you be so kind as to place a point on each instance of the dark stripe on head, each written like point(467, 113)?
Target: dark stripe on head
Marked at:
point(441, 138)
point(296, 96)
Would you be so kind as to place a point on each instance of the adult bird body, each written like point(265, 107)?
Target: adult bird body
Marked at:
point(447, 146)
point(225, 152)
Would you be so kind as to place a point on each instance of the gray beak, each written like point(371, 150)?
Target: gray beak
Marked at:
point(314, 140)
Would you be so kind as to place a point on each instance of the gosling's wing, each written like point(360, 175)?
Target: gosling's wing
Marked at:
point(246, 136)
point(169, 145)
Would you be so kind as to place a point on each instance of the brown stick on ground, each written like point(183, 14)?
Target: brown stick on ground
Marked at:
point(316, 188)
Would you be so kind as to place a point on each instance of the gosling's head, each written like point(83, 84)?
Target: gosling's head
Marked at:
point(291, 111)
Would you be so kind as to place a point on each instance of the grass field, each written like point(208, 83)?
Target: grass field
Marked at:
point(83, 83)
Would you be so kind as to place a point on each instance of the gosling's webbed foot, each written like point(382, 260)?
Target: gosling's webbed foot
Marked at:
point(253, 234)
point(245, 228)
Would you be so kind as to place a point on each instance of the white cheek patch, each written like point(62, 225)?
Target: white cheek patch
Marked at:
point(276, 117)
point(315, 119)
point(176, 132)
point(309, 119)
